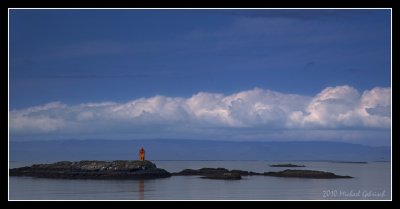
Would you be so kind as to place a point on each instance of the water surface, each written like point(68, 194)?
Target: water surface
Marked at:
point(371, 181)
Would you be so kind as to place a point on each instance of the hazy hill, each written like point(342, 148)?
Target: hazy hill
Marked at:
point(163, 149)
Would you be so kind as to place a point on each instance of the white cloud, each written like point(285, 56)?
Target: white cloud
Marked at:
point(342, 106)
point(209, 114)
point(331, 107)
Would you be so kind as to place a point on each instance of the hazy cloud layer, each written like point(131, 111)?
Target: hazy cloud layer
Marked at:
point(256, 112)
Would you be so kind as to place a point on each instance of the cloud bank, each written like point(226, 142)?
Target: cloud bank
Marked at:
point(258, 112)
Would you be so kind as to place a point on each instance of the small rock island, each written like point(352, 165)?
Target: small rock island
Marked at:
point(305, 174)
point(90, 169)
point(215, 173)
point(120, 169)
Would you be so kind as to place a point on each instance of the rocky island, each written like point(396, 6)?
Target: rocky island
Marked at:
point(287, 165)
point(144, 169)
point(305, 174)
point(215, 173)
point(120, 169)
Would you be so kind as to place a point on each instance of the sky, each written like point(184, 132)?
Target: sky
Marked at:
point(201, 74)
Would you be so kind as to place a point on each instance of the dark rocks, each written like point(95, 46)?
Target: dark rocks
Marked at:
point(305, 174)
point(124, 169)
point(215, 173)
point(121, 169)
point(201, 172)
point(287, 165)
point(223, 176)
point(245, 173)
point(222, 173)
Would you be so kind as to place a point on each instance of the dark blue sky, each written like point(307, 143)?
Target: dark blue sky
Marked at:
point(201, 74)
point(79, 56)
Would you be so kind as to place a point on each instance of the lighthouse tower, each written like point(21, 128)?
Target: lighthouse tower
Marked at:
point(141, 154)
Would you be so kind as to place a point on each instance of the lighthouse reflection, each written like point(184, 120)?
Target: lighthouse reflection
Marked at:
point(141, 189)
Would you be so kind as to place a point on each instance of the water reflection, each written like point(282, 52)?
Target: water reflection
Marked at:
point(141, 189)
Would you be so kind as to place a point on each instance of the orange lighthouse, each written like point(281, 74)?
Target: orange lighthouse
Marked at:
point(141, 154)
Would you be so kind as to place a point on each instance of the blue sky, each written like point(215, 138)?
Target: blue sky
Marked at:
point(68, 66)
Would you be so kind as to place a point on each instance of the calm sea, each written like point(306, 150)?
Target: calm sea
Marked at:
point(372, 181)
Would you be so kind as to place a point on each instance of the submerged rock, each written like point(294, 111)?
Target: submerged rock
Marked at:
point(120, 169)
point(305, 174)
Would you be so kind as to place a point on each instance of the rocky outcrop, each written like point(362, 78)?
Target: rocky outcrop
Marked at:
point(120, 169)
point(305, 174)
point(215, 173)
point(200, 172)
point(124, 169)
point(287, 165)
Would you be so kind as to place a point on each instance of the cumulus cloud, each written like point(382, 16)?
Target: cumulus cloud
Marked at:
point(257, 111)
point(343, 106)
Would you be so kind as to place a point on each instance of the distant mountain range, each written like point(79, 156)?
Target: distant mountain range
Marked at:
point(168, 149)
